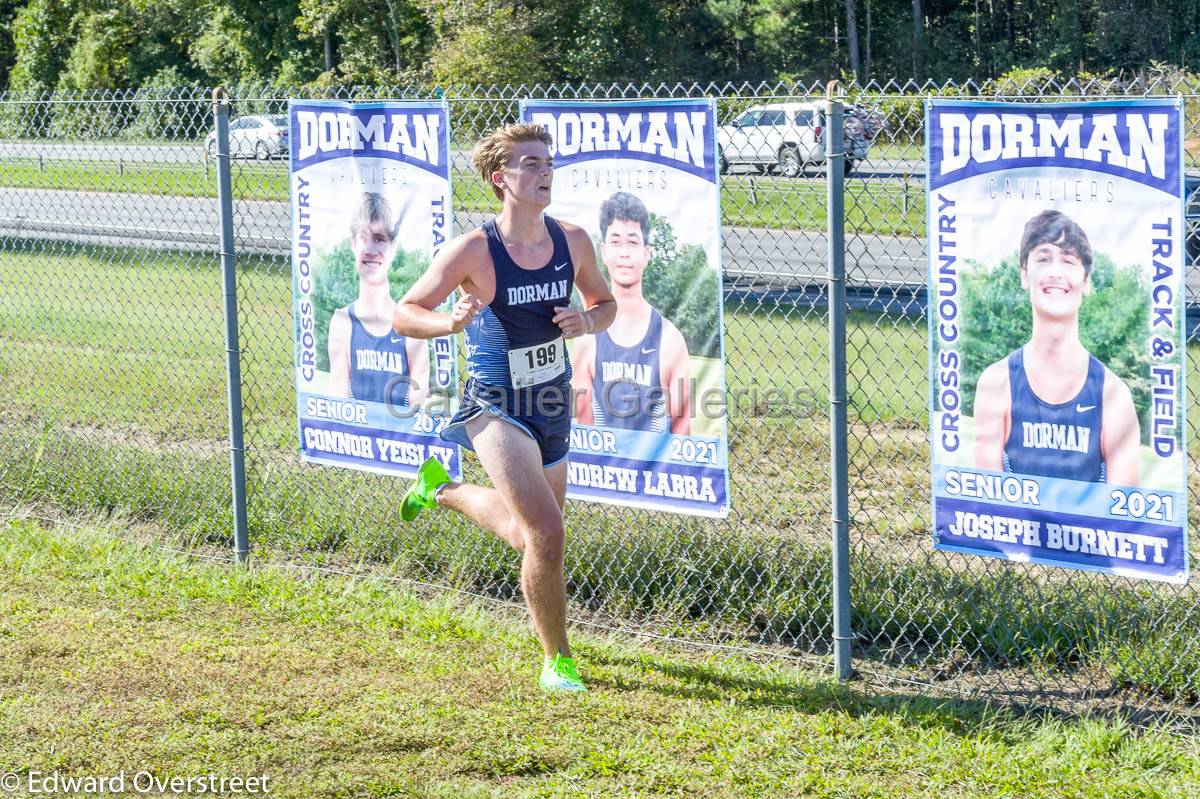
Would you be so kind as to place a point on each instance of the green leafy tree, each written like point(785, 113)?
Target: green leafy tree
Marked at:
point(1113, 324)
point(616, 40)
point(99, 59)
point(335, 285)
point(380, 42)
point(224, 49)
point(486, 42)
point(8, 53)
point(246, 42)
point(43, 34)
point(100, 56)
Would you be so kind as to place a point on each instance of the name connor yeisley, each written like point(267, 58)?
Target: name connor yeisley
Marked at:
point(1003, 529)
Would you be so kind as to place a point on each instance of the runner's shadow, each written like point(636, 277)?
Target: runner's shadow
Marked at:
point(992, 716)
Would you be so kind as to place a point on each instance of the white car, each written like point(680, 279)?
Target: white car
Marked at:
point(790, 136)
point(254, 136)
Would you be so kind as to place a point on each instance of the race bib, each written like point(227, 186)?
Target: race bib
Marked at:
point(531, 366)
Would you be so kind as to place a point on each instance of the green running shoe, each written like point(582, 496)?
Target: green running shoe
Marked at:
point(430, 477)
point(559, 674)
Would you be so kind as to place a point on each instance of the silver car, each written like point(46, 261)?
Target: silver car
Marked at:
point(789, 137)
point(254, 136)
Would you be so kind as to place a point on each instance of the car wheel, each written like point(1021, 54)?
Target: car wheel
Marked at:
point(211, 148)
point(791, 165)
point(261, 151)
point(849, 166)
point(722, 164)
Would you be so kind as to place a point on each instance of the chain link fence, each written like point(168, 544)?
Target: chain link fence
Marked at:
point(112, 359)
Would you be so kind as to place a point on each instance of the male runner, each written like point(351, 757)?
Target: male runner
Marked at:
point(367, 360)
point(516, 276)
point(636, 375)
point(1050, 408)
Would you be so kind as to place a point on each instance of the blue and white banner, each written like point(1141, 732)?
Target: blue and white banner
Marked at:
point(1057, 333)
point(370, 187)
point(641, 178)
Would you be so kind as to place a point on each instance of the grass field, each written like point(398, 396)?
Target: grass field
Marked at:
point(883, 207)
point(116, 657)
point(113, 365)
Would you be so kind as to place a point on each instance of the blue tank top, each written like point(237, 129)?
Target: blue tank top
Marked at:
point(1055, 440)
point(378, 364)
point(519, 317)
point(627, 384)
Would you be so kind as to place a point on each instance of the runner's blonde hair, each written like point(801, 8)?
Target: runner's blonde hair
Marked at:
point(494, 150)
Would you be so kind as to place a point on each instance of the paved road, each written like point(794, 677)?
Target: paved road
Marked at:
point(753, 258)
point(182, 153)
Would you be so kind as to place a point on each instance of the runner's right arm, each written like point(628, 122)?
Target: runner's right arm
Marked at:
point(453, 267)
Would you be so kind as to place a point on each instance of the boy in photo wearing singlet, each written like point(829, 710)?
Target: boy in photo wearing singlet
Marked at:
point(515, 276)
point(637, 374)
point(1050, 408)
point(367, 360)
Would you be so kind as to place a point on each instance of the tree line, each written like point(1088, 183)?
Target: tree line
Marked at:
point(117, 44)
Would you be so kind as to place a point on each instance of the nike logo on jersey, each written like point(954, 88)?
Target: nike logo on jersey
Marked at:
point(649, 351)
point(560, 267)
point(1083, 408)
point(397, 339)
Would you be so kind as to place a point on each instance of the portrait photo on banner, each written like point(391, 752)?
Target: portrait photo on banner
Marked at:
point(370, 203)
point(641, 179)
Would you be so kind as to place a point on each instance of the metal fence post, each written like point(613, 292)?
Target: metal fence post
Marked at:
point(835, 158)
point(233, 353)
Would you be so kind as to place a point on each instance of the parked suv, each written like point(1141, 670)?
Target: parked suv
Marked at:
point(790, 136)
point(255, 136)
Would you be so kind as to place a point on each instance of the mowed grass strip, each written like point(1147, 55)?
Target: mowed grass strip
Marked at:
point(116, 657)
point(873, 206)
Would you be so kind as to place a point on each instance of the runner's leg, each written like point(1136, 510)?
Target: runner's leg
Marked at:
point(556, 476)
point(486, 508)
point(534, 517)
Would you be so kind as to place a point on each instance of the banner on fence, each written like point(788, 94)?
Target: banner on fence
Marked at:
point(641, 178)
point(1056, 318)
point(370, 188)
